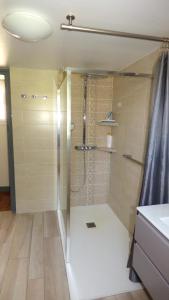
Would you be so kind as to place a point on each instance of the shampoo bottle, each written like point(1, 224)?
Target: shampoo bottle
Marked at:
point(109, 140)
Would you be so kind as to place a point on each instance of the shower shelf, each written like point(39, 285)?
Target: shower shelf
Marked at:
point(106, 149)
point(107, 123)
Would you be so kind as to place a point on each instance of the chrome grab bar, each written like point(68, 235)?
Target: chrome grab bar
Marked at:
point(129, 156)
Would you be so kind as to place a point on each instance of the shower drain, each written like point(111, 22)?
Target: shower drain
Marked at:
point(90, 225)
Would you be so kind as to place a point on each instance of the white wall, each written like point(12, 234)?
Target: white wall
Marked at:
point(4, 177)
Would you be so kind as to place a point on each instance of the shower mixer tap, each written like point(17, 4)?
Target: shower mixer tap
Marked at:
point(85, 147)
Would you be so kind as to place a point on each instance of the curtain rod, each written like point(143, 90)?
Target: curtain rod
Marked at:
point(72, 27)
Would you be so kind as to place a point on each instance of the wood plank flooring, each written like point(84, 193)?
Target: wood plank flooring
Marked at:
point(31, 259)
point(5, 201)
point(137, 295)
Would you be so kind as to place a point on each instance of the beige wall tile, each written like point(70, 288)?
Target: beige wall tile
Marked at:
point(34, 132)
point(99, 102)
point(131, 104)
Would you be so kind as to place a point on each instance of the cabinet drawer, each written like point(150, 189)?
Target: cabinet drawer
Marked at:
point(154, 244)
point(150, 276)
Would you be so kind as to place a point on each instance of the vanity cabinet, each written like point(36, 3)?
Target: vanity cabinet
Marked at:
point(151, 259)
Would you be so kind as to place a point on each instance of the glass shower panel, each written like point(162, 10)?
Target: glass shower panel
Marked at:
point(64, 141)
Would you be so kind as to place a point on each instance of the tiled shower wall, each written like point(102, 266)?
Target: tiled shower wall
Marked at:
point(99, 101)
point(34, 134)
point(131, 105)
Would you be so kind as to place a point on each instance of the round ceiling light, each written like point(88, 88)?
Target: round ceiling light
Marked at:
point(27, 27)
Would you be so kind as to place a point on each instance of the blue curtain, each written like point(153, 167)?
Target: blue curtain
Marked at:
point(155, 185)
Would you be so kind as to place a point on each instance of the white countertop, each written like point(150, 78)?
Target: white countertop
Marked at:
point(155, 214)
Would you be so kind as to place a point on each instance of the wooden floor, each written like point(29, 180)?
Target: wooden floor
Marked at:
point(4, 201)
point(138, 295)
point(31, 259)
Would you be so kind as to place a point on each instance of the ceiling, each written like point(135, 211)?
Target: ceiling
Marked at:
point(85, 50)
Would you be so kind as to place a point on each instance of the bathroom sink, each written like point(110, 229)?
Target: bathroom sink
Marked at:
point(165, 220)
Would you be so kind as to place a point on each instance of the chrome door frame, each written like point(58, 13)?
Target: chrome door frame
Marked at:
point(66, 247)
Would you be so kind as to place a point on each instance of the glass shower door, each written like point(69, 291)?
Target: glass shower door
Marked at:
point(64, 147)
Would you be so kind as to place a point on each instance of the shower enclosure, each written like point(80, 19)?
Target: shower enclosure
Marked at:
point(64, 147)
point(98, 184)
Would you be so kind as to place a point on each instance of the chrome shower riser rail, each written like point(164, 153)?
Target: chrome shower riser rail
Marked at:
point(85, 110)
point(71, 27)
